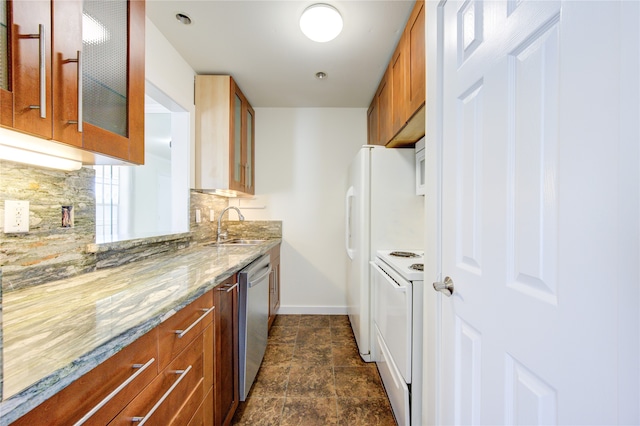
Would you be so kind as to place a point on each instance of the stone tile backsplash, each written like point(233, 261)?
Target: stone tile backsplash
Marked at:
point(48, 251)
point(51, 251)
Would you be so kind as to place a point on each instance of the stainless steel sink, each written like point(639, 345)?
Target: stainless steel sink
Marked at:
point(237, 242)
point(242, 242)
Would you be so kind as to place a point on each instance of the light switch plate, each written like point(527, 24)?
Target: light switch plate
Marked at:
point(198, 217)
point(16, 216)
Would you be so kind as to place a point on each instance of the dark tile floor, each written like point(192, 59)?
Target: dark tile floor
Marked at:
point(312, 374)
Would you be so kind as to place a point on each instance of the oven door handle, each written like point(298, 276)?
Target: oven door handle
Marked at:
point(397, 287)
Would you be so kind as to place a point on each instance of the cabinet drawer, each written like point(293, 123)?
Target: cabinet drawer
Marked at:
point(204, 414)
point(177, 387)
point(178, 331)
point(135, 367)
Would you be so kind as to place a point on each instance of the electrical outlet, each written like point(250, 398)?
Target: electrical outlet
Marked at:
point(198, 217)
point(16, 216)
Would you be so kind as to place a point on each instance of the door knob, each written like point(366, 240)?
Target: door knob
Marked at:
point(445, 287)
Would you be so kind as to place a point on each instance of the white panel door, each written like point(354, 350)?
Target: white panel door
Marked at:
point(534, 165)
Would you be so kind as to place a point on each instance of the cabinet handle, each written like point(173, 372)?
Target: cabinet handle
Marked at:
point(228, 289)
point(276, 280)
point(144, 419)
point(80, 90)
point(42, 49)
point(109, 397)
point(181, 333)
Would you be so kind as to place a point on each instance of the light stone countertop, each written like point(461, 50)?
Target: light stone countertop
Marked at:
point(56, 332)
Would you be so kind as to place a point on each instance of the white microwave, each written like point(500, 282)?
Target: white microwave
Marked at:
point(420, 167)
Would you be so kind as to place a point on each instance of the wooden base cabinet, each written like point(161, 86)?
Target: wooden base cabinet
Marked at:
point(174, 395)
point(227, 373)
point(140, 359)
point(274, 285)
point(170, 374)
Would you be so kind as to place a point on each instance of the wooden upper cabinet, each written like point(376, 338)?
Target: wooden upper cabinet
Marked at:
point(400, 98)
point(225, 137)
point(75, 80)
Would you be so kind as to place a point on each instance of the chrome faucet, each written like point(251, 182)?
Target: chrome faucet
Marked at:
point(218, 232)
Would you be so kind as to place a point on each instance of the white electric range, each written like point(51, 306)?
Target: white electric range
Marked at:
point(397, 280)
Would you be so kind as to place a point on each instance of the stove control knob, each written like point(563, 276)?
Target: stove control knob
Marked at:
point(445, 287)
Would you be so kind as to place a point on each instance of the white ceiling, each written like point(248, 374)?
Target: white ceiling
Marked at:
point(260, 44)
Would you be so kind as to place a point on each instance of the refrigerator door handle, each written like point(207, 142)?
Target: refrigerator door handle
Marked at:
point(348, 205)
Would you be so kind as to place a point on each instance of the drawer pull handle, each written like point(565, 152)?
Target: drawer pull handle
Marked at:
point(181, 333)
point(229, 288)
point(144, 419)
point(139, 367)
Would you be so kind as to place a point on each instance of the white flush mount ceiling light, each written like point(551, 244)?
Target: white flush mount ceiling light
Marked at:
point(321, 22)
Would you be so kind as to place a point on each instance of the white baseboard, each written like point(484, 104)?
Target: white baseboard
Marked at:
point(312, 310)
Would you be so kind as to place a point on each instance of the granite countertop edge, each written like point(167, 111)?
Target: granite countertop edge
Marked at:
point(24, 401)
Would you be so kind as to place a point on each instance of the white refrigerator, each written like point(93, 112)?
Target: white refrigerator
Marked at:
point(383, 212)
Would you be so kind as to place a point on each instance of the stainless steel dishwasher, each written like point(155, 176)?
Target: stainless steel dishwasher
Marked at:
point(254, 320)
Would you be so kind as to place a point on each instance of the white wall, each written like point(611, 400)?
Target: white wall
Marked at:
point(302, 157)
point(171, 74)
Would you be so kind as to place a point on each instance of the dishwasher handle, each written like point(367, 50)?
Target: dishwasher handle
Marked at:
point(255, 281)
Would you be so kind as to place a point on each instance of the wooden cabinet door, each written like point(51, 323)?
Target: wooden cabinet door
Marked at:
point(416, 71)
point(6, 95)
point(248, 134)
point(31, 67)
point(398, 74)
point(236, 161)
point(372, 123)
point(124, 140)
point(274, 285)
point(385, 123)
point(67, 77)
point(241, 143)
point(227, 374)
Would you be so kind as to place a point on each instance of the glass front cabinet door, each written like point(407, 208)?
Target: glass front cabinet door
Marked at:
point(113, 78)
point(242, 143)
